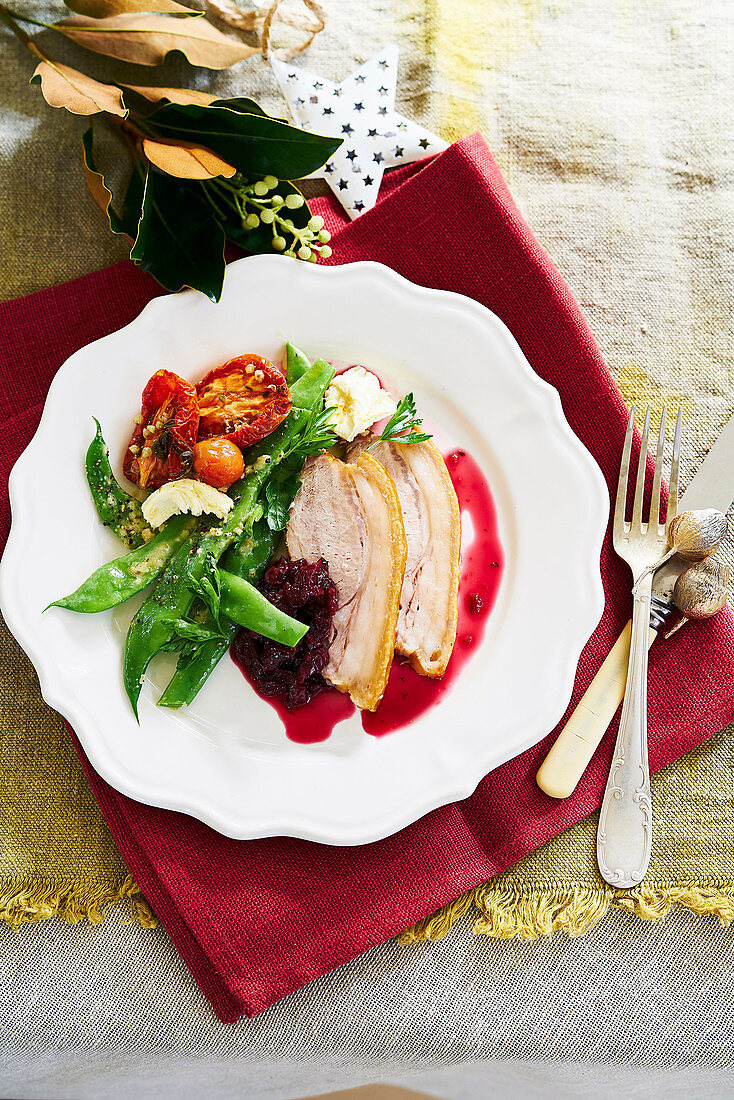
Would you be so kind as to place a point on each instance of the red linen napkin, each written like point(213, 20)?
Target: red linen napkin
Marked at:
point(255, 920)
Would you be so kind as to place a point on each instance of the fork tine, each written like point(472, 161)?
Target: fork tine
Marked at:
point(620, 505)
point(641, 467)
point(675, 468)
point(655, 498)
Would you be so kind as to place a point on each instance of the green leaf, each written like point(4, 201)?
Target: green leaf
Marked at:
point(208, 588)
point(280, 492)
point(179, 240)
point(242, 105)
point(255, 144)
point(403, 420)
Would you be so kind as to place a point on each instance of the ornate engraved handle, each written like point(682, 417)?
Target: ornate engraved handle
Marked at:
point(624, 835)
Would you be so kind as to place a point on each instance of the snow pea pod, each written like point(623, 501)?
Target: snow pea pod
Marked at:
point(120, 579)
point(246, 606)
point(296, 364)
point(153, 627)
point(117, 509)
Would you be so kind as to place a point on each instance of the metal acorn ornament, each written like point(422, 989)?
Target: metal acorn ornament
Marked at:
point(701, 591)
point(692, 535)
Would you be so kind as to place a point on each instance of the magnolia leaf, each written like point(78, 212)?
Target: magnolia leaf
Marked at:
point(179, 242)
point(127, 223)
point(77, 92)
point(173, 95)
point(101, 9)
point(146, 39)
point(186, 160)
point(255, 144)
point(244, 106)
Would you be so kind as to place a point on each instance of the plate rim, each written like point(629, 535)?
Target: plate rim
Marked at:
point(296, 824)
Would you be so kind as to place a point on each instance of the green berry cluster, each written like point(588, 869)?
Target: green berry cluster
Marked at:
point(258, 203)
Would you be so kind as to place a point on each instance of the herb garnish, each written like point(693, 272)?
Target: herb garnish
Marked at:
point(404, 419)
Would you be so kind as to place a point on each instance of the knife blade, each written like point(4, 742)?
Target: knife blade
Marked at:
point(711, 487)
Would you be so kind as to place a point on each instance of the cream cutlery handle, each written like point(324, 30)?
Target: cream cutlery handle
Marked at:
point(578, 740)
point(624, 833)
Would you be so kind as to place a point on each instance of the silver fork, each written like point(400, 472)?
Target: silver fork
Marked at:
point(624, 834)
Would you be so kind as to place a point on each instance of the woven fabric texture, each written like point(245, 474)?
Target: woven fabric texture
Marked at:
point(628, 193)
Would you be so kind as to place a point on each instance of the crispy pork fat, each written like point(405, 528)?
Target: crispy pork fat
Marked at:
point(429, 599)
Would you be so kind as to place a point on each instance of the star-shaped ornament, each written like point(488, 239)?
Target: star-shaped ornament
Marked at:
point(361, 110)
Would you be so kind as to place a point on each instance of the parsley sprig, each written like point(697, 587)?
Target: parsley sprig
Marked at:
point(404, 419)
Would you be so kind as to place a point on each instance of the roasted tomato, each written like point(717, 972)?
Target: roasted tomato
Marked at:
point(218, 462)
point(244, 400)
point(161, 448)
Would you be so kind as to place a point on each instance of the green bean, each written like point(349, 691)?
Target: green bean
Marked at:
point(120, 579)
point(117, 509)
point(153, 628)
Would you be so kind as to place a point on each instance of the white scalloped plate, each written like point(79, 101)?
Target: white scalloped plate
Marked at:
point(225, 759)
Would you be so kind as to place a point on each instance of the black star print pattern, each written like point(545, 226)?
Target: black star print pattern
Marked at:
point(367, 123)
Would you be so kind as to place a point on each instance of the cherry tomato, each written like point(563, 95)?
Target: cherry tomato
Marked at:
point(244, 400)
point(161, 446)
point(218, 462)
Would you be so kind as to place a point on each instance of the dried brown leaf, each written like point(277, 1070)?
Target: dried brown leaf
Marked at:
point(102, 9)
point(186, 159)
point(65, 87)
point(146, 39)
point(173, 95)
point(96, 185)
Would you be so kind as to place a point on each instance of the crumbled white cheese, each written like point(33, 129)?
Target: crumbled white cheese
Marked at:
point(358, 400)
point(185, 495)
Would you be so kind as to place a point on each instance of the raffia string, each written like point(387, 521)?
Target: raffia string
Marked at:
point(311, 24)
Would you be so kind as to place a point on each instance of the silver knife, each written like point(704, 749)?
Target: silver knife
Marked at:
point(711, 487)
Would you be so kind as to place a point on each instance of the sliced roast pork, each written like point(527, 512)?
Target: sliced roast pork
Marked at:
point(349, 514)
point(429, 599)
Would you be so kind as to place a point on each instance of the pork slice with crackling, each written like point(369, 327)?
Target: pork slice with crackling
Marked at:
point(349, 514)
point(429, 599)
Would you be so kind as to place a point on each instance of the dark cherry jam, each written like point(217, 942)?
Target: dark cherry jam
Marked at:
point(293, 673)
